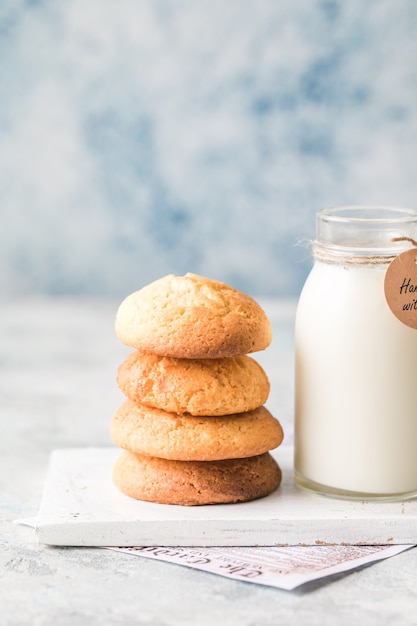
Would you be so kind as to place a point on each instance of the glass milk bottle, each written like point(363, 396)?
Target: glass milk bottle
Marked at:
point(356, 360)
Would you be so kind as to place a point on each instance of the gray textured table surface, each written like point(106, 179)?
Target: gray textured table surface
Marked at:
point(58, 360)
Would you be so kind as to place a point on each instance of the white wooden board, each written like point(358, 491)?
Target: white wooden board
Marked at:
point(81, 507)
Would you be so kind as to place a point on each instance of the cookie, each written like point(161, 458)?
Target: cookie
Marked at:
point(194, 386)
point(192, 317)
point(154, 432)
point(192, 483)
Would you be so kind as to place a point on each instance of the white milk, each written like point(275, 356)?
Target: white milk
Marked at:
point(356, 386)
point(356, 356)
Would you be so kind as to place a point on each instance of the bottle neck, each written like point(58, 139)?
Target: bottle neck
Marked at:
point(360, 235)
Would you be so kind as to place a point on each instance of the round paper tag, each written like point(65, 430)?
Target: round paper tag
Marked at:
point(401, 287)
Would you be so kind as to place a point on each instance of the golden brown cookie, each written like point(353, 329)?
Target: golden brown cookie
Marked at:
point(192, 317)
point(194, 386)
point(192, 483)
point(154, 432)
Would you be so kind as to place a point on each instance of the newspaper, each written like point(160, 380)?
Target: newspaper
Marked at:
point(285, 567)
point(282, 567)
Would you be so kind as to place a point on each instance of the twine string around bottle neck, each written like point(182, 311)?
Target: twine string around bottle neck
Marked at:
point(326, 255)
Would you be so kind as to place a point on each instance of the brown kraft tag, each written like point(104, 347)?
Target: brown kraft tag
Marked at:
point(400, 286)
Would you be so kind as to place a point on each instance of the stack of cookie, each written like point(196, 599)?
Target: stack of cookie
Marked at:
point(194, 429)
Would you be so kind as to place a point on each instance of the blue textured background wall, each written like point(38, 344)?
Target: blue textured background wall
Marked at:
point(144, 137)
